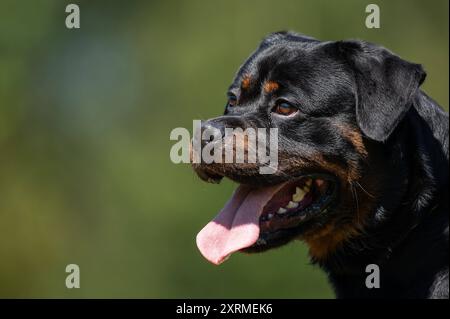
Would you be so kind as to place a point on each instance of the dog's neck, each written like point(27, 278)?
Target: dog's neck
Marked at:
point(422, 137)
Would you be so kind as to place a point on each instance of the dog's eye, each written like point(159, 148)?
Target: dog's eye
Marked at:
point(284, 108)
point(232, 100)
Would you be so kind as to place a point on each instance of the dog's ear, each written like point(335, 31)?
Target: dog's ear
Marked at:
point(385, 86)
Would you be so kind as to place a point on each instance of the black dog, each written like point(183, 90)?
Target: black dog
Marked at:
point(363, 166)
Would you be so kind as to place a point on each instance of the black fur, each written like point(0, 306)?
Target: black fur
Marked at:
point(402, 181)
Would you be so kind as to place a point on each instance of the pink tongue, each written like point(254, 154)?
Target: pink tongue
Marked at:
point(237, 225)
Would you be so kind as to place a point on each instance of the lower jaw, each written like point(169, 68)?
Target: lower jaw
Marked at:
point(274, 239)
point(311, 216)
point(280, 237)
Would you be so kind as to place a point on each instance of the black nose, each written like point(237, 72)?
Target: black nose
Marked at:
point(212, 130)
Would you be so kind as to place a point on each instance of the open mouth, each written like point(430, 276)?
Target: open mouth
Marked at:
point(258, 218)
point(295, 204)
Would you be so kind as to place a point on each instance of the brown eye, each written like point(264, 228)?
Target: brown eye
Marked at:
point(284, 108)
point(232, 100)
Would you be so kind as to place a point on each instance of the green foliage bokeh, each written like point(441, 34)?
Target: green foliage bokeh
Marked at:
point(85, 117)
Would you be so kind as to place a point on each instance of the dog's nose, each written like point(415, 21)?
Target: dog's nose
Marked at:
point(212, 130)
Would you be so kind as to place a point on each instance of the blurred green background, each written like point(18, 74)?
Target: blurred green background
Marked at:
point(85, 117)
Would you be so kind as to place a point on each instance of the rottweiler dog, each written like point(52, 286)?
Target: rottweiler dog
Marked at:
point(362, 172)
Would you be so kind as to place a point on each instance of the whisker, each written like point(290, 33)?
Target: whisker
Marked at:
point(365, 191)
point(355, 196)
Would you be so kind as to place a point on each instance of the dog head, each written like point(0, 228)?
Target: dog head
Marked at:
point(335, 105)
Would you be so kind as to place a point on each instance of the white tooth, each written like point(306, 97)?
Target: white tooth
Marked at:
point(292, 205)
point(299, 194)
point(260, 241)
point(213, 181)
point(281, 210)
point(269, 216)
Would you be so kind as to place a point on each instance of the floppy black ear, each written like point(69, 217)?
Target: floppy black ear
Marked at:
point(385, 86)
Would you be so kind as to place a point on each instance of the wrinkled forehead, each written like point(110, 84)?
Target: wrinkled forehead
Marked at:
point(273, 61)
point(283, 64)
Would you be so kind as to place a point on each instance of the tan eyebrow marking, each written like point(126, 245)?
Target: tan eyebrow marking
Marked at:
point(245, 84)
point(271, 86)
